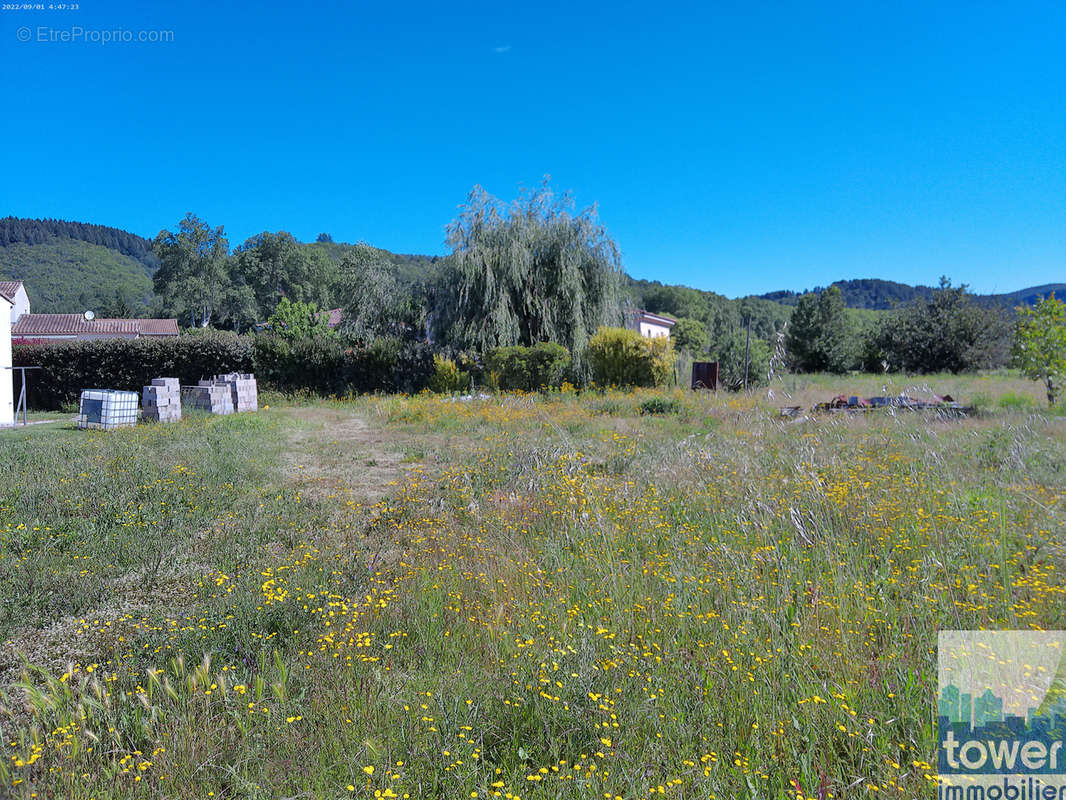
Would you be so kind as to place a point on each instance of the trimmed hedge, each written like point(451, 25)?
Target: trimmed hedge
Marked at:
point(328, 367)
point(68, 367)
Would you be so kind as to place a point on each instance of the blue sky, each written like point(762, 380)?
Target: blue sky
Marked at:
point(739, 148)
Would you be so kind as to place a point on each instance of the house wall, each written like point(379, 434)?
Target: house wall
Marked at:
point(7, 404)
point(653, 331)
point(22, 304)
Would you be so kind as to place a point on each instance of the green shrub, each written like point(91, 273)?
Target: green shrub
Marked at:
point(548, 362)
point(68, 367)
point(528, 369)
point(299, 320)
point(447, 377)
point(622, 357)
point(660, 405)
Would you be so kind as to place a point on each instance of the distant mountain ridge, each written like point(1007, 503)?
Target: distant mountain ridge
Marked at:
point(878, 294)
point(39, 231)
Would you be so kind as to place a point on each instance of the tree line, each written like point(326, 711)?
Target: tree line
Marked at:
point(519, 273)
point(946, 331)
point(537, 270)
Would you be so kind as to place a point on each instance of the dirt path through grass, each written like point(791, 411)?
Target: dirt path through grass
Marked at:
point(329, 450)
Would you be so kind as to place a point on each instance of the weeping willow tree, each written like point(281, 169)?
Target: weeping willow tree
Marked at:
point(532, 271)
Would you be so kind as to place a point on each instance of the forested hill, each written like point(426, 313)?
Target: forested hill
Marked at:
point(41, 231)
point(718, 313)
point(69, 267)
point(1030, 296)
point(874, 293)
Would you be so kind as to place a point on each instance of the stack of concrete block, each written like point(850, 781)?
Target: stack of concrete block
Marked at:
point(209, 396)
point(243, 389)
point(161, 402)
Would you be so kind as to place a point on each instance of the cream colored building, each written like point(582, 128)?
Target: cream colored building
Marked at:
point(649, 325)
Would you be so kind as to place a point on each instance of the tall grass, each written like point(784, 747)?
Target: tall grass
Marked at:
point(568, 599)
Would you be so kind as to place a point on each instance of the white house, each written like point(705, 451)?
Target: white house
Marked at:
point(7, 395)
point(650, 325)
point(25, 325)
point(16, 292)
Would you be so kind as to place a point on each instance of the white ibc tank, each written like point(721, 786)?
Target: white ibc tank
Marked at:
point(106, 409)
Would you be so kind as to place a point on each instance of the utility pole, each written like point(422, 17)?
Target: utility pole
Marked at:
point(747, 353)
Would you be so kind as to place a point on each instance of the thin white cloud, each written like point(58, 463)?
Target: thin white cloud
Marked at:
point(506, 48)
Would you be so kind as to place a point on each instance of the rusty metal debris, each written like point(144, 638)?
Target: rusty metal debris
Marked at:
point(945, 405)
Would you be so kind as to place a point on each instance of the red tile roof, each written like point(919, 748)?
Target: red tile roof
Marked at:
point(76, 324)
point(9, 288)
point(155, 327)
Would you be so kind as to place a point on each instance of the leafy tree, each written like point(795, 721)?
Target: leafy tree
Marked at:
point(118, 307)
point(238, 307)
point(323, 237)
point(945, 333)
point(531, 272)
point(729, 352)
point(298, 320)
point(689, 335)
point(274, 265)
point(192, 278)
point(1040, 344)
point(818, 338)
point(373, 301)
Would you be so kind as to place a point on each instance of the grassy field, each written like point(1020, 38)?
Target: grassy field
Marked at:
point(543, 596)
